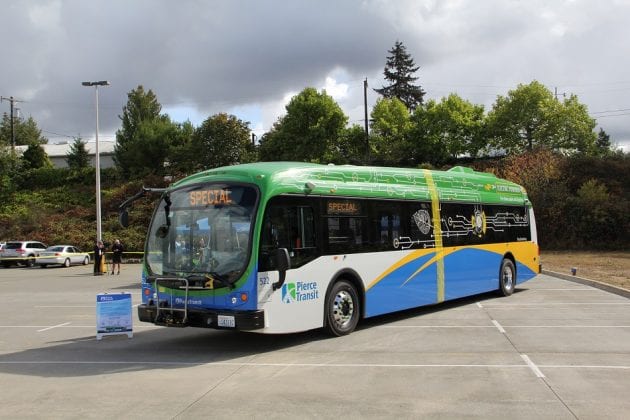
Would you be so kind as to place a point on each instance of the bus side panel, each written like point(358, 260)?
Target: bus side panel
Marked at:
point(470, 271)
point(298, 304)
point(407, 283)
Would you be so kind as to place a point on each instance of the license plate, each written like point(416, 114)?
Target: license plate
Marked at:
point(226, 321)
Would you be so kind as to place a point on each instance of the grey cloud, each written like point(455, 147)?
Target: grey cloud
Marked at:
point(216, 55)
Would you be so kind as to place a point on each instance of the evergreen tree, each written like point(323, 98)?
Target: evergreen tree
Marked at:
point(603, 144)
point(26, 132)
point(78, 156)
point(399, 70)
point(35, 157)
point(142, 108)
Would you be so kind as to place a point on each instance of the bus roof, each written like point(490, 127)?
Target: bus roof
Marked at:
point(458, 184)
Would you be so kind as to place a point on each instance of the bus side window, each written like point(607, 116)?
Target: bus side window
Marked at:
point(291, 227)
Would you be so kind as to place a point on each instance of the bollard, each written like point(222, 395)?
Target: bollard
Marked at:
point(573, 271)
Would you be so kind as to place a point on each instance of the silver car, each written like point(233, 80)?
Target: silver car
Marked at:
point(64, 255)
point(20, 252)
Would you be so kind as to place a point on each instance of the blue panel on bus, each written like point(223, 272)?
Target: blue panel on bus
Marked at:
point(401, 289)
point(470, 271)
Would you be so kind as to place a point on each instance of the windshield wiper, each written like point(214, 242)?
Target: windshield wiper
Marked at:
point(211, 278)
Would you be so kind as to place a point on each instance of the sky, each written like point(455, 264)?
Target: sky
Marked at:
point(248, 58)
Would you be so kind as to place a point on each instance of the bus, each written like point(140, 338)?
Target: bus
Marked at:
point(283, 247)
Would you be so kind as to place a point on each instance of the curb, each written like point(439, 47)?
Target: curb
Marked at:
point(593, 283)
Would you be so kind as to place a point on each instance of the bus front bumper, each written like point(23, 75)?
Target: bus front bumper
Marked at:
point(203, 318)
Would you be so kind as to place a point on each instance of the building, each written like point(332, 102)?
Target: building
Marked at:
point(58, 153)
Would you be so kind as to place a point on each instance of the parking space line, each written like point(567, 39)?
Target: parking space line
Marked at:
point(499, 327)
point(520, 305)
point(532, 366)
point(528, 364)
point(567, 326)
point(54, 326)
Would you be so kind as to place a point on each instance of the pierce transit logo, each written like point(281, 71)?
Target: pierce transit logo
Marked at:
point(300, 291)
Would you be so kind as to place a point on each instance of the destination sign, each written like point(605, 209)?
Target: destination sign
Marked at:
point(210, 197)
point(344, 208)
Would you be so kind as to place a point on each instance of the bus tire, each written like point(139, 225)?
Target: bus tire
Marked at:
point(507, 277)
point(342, 308)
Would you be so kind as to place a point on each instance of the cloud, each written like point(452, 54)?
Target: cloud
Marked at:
point(249, 56)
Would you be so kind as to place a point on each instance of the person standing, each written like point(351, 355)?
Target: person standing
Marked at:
point(99, 251)
point(117, 251)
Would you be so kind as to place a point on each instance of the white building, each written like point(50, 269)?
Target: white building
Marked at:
point(58, 153)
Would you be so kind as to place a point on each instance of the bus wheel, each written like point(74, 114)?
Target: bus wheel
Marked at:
point(507, 277)
point(342, 308)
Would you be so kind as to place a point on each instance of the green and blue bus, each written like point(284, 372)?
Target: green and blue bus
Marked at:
point(282, 247)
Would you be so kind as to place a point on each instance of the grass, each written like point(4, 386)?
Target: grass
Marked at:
point(607, 267)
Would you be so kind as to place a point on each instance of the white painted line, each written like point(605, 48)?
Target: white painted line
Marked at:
point(433, 326)
point(54, 326)
point(499, 327)
point(508, 305)
point(532, 366)
point(584, 367)
point(568, 326)
point(529, 365)
point(72, 326)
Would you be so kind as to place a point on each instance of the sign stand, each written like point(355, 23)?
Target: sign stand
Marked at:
point(113, 315)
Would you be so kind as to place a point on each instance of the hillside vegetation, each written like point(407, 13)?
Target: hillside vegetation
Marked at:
point(580, 202)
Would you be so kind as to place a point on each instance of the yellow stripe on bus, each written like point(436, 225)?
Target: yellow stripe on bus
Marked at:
point(437, 233)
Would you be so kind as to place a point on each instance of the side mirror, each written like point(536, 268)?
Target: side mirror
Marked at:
point(123, 218)
point(162, 231)
point(283, 263)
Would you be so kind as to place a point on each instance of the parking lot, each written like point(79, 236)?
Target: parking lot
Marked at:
point(555, 349)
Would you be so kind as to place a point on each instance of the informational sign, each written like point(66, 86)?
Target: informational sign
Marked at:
point(113, 314)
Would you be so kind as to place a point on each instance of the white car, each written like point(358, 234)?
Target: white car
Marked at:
point(65, 255)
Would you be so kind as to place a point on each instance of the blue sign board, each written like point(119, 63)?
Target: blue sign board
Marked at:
point(113, 314)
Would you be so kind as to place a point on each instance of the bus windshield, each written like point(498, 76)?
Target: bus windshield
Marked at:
point(203, 230)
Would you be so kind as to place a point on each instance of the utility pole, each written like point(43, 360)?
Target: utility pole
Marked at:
point(12, 104)
point(367, 134)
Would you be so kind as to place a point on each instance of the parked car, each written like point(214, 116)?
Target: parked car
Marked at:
point(62, 255)
point(20, 252)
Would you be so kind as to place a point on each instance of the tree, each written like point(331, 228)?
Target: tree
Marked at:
point(350, 147)
point(26, 132)
point(222, 140)
point(575, 129)
point(141, 107)
point(603, 144)
point(78, 156)
point(530, 117)
point(147, 152)
point(456, 125)
point(309, 130)
point(399, 70)
point(390, 124)
point(35, 157)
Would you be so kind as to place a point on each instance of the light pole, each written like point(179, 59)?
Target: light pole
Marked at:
point(97, 160)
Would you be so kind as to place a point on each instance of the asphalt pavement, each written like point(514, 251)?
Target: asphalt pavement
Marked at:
point(555, 349)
